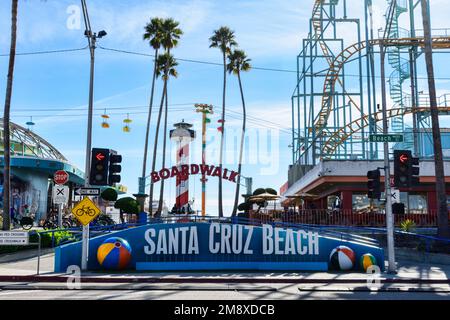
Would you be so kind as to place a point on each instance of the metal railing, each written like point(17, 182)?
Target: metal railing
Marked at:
point(346, 217)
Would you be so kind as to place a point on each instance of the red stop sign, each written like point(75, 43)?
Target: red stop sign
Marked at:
point(61, 177)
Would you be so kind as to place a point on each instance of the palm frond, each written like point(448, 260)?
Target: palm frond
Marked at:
point(224, 39)
point(238, 61)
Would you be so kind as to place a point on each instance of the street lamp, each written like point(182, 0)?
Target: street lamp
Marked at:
point(92, 40)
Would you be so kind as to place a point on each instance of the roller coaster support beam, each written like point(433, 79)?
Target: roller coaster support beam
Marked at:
point(443, 229)
point(387, 174)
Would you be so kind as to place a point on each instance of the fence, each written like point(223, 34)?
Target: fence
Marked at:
point(345, 218)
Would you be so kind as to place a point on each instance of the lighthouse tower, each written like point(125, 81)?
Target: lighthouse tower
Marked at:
point(182, 135)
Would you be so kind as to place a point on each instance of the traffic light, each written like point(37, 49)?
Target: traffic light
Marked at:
point(415, 170)
point(398, 208)
point(374, 184)
point(406, 169)
point(99, 167)
point(114, 167)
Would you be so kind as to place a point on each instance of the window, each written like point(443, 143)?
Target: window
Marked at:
point(362, 204)
point(415, 202)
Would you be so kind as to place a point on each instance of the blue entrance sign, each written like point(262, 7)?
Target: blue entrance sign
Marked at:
point(221, 246)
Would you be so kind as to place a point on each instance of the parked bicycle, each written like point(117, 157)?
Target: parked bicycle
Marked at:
point(52, 223)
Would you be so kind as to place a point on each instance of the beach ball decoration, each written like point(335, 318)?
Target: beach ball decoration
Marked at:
point(366, 261)
point(105, 124)
point(126, 127)
point(114, 253)
point(342, 258)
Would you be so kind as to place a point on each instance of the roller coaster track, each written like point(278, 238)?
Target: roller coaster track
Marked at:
point(321, 118)
point(332, 76)
point(338, 137)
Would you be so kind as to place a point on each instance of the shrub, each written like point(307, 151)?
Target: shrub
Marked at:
point(46, 238)
point(408, 225)
point(127, 205)
point(109, 194)
point(245, 206)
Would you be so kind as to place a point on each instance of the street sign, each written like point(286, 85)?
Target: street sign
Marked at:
point(85, 211)
point(386, 138)
point(60, 194)
point(395, 195)
point(87, 192)
point(61, 177)
point(14, 238)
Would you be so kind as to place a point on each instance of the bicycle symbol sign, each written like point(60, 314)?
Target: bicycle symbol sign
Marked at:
point(85, 211)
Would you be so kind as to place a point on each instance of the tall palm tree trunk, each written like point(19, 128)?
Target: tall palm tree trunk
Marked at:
point(155, 146)
point(6, 115)
point(443, 227)
point(161, 191)
point(147, 132)
point(222, 134)
point(241, 151)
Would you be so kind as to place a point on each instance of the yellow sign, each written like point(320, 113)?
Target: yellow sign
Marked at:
point(85, 211)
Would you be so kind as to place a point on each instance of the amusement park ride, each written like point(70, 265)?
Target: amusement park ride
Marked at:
point(333, 111)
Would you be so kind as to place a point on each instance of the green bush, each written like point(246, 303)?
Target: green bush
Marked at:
point(408, 225)
point(127, 205)
point(46, 241)
point(109, 194)
point(46, 238)
point(245, 206)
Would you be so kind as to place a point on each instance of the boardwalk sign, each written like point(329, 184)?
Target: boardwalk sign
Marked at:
point(186, 170)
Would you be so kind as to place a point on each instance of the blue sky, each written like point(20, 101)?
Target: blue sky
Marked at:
point(53, 88)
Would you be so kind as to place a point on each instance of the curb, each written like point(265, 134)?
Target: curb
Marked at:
point(134, 280)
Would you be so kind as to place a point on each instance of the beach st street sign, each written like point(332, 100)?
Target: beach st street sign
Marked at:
point(386, 138)
point(14, 238)
point(85, 211)
point(87, 192)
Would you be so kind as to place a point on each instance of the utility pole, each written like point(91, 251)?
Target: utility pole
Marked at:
point(387, 173)
point(387, 167)
point(205, 109)
point(92, 40)
point(443, 229)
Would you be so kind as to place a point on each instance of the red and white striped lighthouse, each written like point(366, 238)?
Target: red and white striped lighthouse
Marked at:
point(183, 136)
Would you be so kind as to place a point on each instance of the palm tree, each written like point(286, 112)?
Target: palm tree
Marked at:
point(238, 62)
point(223, 38)
point(6, 114)
point(153, 35)
point(169, 35)
point(166, 67)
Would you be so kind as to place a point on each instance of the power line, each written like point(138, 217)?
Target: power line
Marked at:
point(28, 108)
point(186, 60)
point(44, 52)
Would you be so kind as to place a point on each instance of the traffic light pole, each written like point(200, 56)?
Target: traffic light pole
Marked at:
point(85, 238)
point(387, 174)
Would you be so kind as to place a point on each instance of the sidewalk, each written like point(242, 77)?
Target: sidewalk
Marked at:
point(22, 266)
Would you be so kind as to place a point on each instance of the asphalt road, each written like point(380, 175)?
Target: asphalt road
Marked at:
point(224, 292)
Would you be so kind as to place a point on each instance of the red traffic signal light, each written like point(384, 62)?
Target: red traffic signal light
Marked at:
point(403, 158)
point(98, 175)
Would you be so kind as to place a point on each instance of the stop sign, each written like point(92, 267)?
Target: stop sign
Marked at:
point(61, 177)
